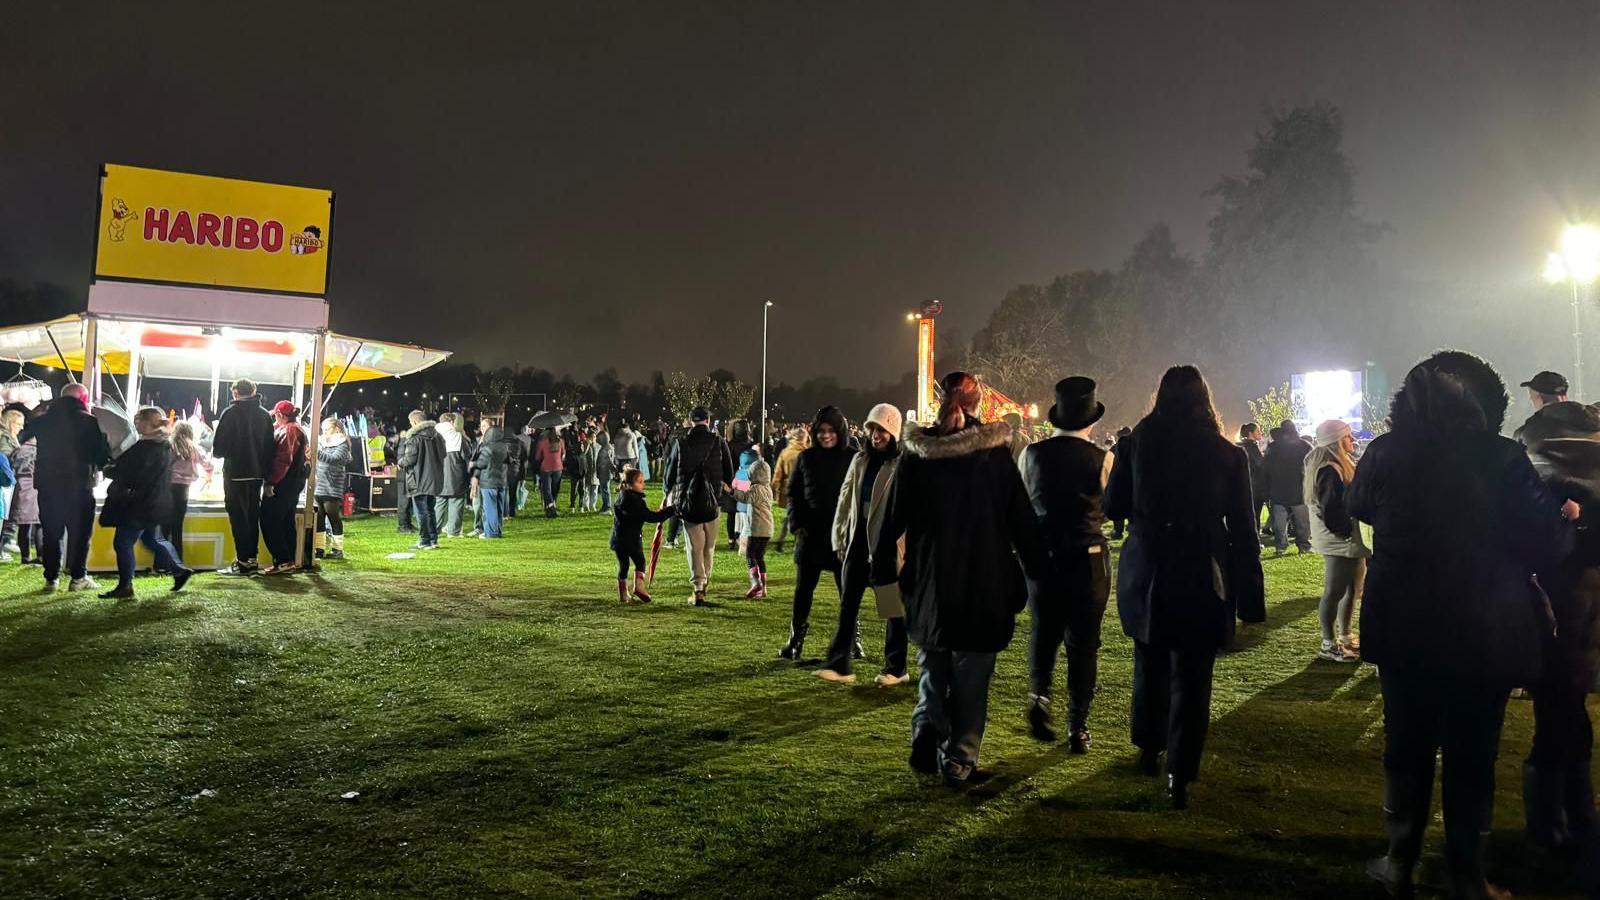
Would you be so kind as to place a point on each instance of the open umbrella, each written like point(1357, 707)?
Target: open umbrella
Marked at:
point(551, 420)
point(655, 550)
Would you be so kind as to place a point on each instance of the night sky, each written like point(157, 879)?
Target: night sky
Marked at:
point(580, 185)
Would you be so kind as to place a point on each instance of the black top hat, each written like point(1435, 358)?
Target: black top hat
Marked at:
point(1075, 407)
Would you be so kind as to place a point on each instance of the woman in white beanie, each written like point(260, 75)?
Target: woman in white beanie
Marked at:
point(1329, 469)
point(857, 524)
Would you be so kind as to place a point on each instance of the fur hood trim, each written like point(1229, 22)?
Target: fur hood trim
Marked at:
point(920, 442)
point(425, 425)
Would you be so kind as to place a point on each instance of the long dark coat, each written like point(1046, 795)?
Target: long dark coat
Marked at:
point(422, 459)
point(1285, 469)
point(1460, 522)
point(970, 534)
point(1192, 546)
point(1563, 441)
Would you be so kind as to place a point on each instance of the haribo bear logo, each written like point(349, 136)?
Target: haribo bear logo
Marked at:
point(306, 241)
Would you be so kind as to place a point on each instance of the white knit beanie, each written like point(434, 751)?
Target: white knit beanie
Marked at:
point(885, 416)
point(1331, 432)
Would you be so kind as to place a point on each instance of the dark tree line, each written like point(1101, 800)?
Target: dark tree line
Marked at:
point(1286, 266)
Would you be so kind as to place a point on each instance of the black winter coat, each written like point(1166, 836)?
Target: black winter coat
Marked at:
point(1192, 555)
point(422, 459)
point(700, 448)
point(1258, 470)
point(1460, 522)
point(1563, 441)
point(960, 503)
point(244, 440)
point(629, 518)
point(1285, 470)
point(139, 494)
point(489, 460)
point(72, 448)
point(813, 499)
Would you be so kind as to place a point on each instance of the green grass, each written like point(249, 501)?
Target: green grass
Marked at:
point(512, 731)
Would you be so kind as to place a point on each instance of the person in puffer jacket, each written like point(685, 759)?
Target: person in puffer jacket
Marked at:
point(333, 476)
point(755, 518)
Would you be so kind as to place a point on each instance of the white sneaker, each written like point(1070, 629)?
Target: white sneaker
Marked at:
point(4, 556)
point(835, 677)
point(13, 548)
point(83, 584)
point(884, 679)
point(1332, 652)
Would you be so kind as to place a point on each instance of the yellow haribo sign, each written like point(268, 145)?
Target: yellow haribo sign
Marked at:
point(175, 228)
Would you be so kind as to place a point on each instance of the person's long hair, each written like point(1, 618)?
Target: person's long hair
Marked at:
point(961, 397)
point(183, 443)
point(1184, 397)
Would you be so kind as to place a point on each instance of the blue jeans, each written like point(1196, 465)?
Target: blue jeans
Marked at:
point(953, 701)
point(490, 511)
point(127, 536)
point(550, 487)
point(427, 522)
point(1285, 516)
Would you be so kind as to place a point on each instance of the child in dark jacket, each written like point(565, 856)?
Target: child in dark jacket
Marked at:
point(627, 534)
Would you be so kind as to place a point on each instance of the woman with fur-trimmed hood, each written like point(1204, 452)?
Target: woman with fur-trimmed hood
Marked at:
point(1460, 522)
point(959, 501)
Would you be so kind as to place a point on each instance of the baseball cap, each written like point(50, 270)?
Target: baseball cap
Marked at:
point(1547, 383)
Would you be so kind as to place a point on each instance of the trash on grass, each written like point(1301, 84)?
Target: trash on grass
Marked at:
point(349, 795)
point(208, 792)
point(400, 556)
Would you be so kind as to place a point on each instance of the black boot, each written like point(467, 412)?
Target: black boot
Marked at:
point(1406, 798)
point(1078, 739)
point(796, 645)
point(1466, 846)
point(1579, 800)
point(1543, 806)
point(1039, 720)
point(1178, 792)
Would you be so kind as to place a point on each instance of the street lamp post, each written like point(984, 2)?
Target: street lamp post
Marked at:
point(1577, 264)
point(765, 309)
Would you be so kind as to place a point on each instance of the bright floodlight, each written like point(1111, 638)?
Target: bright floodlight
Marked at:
point(1580, 252)
point(1555, 269)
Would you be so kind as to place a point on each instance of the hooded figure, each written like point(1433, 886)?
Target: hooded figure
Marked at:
point(1461, 521)
point(857, 528)
point(813, 497)
point(1563, 441)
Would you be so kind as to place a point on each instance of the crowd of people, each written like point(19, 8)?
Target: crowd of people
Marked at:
point(1467, 552)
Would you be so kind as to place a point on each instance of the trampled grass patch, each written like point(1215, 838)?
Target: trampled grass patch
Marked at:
point(511, 731)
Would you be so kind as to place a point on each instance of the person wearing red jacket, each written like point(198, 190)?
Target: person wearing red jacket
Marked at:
point(551, 458)
point(286, 478)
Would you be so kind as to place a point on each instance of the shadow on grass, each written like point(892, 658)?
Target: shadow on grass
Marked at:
point(61, 628)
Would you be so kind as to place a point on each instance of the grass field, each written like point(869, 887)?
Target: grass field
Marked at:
point(512, 731)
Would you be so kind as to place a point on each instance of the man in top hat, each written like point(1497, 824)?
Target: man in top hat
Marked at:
point(1066, 478)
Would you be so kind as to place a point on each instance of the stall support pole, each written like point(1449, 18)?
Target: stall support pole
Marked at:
point(135, 360)
point(315, 434)
point(91, 358)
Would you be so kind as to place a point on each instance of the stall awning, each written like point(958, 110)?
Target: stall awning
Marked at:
point(196, 353)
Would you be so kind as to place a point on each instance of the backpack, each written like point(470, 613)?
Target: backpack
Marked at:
point(699, 502)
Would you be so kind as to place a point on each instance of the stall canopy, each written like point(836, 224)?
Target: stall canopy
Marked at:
point(199, 353)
